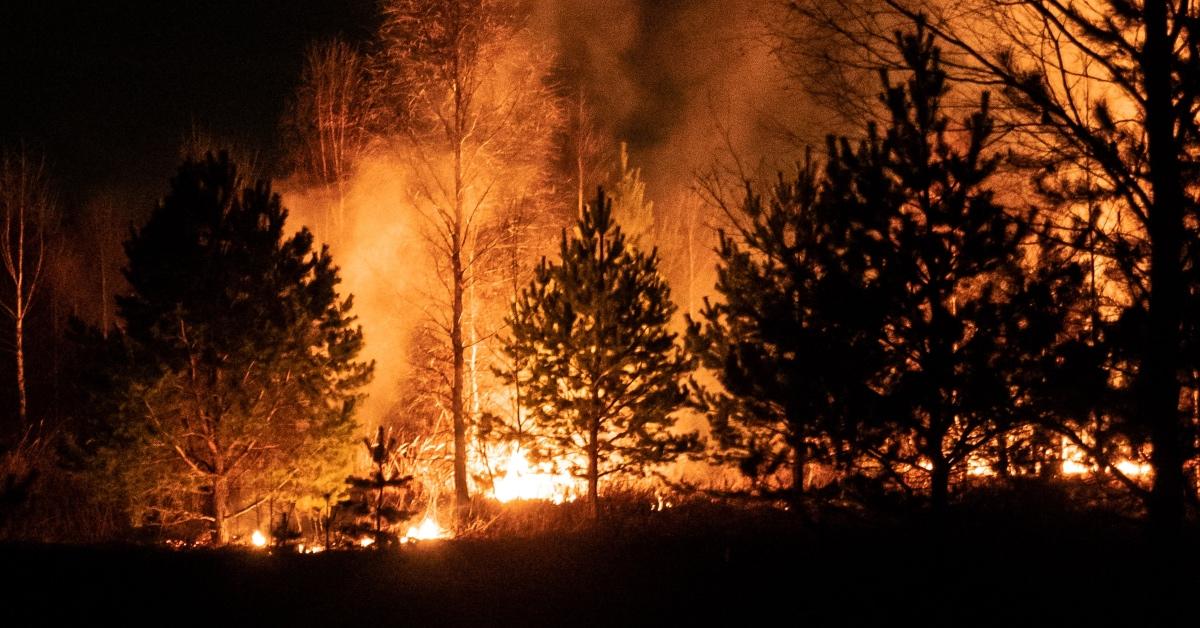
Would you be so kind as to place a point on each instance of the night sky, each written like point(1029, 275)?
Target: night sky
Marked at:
point(108, 91)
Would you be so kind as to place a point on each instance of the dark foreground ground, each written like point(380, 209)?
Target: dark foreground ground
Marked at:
point(964, 575)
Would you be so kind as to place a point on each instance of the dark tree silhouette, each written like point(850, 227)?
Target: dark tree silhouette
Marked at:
point(891, 309)
point(370, 501)
point(950, 263)
point(1103, 99)
point(1124, 132)
point(791, 338)
point(236, 375)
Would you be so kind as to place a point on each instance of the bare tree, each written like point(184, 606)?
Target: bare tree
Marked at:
point(26, 212)
point(329, 123)
point(464, 86)
point(584, 146)
point(199, 141)
point(105, 232)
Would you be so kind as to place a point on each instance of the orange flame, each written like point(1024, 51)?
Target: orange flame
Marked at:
point(427, 530)
point(521, 480)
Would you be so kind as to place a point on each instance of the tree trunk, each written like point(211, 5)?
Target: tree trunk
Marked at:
point(593, 470)
point(1160, 407)
point(1003, 462)
point(471, 300)
point(939, 485)
point(799, 465)
point(462, 494)
point(22, 402)
point(328, 518)
point(19, 309)
point(379, 505)
point(580, 139)
point(939, 466)
point(220, 508)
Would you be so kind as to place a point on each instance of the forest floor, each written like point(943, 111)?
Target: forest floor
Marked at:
point(963, 573)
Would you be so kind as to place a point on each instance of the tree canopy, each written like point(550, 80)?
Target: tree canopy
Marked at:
point(888, 309)
point(592, 354)
point(239, 372)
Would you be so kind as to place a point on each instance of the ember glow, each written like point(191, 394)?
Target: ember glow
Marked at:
point(258, 539)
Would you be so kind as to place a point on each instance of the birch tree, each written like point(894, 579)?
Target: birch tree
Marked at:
point(462, 85)
point(26, 215)
point(329, 121)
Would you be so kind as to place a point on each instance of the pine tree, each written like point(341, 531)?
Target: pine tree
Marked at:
point(1100, 100)
point(370, 503)
point(962, 311)
point(236, 376)
point(887, 310)
point(791, 338)
point(589, 345)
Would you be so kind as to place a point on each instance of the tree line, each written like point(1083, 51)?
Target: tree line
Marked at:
point(890, 312)
point(1101, 106)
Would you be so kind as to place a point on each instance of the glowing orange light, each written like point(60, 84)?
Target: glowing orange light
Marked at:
point(427, 530)
point(1074, 467)
point(258, 539)
point(979, 468)
point(1134, 469)
point(521, 480)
